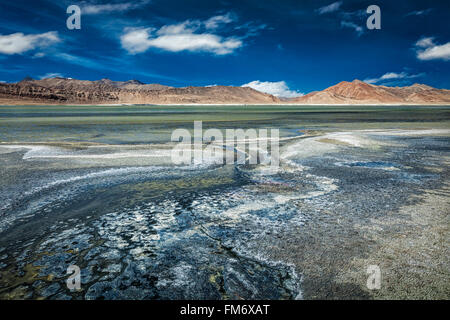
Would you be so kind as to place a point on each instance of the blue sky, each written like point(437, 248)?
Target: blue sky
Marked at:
point(283, 47)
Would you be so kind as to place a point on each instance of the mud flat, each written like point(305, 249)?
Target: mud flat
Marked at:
point(392, 212)
point(415, 260)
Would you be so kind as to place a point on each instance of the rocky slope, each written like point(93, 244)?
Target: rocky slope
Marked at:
point(359, 92)
point(105, 91)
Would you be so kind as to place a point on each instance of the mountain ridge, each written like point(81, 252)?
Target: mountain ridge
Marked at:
point(105, 91)
point(60, 90)
point(360, 92)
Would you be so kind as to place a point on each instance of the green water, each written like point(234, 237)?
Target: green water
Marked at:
point(149, 124)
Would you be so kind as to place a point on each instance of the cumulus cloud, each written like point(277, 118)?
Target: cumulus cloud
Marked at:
point(427, 49)
point(18, 43)
point(278, 89)
point(330, 8)
point(191, 36)
point(346, 24)
point(114, 7)
point(392, 76)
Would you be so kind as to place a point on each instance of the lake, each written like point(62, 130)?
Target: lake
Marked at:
point(95, 187)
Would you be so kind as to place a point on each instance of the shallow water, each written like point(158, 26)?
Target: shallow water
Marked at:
point(95, 187)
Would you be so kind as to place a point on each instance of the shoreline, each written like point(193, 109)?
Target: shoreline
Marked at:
point(2, 104)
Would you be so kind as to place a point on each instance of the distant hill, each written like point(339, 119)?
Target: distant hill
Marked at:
point(105, 91)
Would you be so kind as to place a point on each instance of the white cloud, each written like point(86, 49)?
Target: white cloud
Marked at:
point(420, 12)
point(392, 76)
point(18, 43)
point(178, 37)
point(432, 51)
point(350, 15)
point(39, 55)
point(215, 22)
point(136, 40)
point(435, 53)
point(180, 28)
point(251, 29)
point(330, 8)
point(77, 60)
point(278, 89)
point(51, 75)
point(425, 42)
point(348, 19)
point(115, 7)
point(359, 30)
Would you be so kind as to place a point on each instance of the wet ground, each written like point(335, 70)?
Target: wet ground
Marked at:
point(141, 228)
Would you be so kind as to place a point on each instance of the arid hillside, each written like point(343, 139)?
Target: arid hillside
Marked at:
point(105, 91)
point(359, 92)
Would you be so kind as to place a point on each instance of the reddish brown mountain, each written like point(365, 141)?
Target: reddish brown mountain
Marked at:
point(359, 92)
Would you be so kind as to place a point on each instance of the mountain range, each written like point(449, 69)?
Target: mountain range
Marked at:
point(71, 91)
point(359, 92)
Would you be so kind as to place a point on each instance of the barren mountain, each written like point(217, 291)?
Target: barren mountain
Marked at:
point(105, 91)
point(359, 92)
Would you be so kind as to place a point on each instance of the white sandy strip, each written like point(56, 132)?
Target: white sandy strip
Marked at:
point(359, 138)
point(409, 132)
point(54, 152)
point(119, 155)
